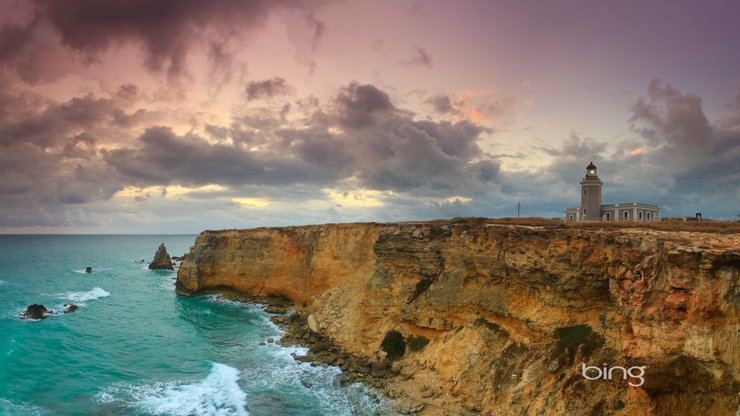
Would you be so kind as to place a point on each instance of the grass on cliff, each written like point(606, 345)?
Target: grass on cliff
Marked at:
point(706, 226)
point(571, 337)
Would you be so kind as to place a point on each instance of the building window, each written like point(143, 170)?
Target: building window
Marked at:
point(608, 216)
point(571, 218)
point(584, 211)
point(626, 215)
point(639, 215)
point(584, 191)
point(647, 216)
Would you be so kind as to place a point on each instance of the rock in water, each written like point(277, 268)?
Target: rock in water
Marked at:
point(70, 307)
point(36, 311)
point(88, 269)
point(161, 260)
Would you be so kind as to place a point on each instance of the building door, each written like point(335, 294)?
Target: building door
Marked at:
point(608, 216)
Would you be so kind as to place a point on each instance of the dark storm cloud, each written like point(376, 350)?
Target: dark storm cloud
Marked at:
point(165, 158)
point(667, 117)
point(268, 88)
point(53, 125)
point(362, 135)
point(360, 105)
point(166, 29)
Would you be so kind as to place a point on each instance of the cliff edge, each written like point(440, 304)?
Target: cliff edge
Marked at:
point(501, 319)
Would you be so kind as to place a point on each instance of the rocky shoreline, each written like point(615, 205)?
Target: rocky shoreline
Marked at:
point(379, 373)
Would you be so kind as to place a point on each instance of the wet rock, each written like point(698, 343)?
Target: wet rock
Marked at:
point(380, 368)
point(37, 311)
point(162, 260)
point(70, 307)
point(88, 269)
point(320, 346)
point(275, 309)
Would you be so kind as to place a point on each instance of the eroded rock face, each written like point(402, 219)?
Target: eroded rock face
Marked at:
point(161, 260)
point(508, 314)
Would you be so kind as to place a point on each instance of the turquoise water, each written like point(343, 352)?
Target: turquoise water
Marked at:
point(135, 348)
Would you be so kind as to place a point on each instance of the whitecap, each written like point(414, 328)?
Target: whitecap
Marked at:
point(218, 394)
point(92, 294)
point(9, 408)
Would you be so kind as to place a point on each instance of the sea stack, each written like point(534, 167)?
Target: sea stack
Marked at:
point(161, 260)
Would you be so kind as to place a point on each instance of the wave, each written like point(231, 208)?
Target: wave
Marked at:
point(83, 271)
point(92, 294)
point(9, 408)
point(218, 394)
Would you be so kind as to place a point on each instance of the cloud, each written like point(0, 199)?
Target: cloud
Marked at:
point(479, 107)
point(38, 46)
point(361, 136)
point(362, 105)
point(668, 118)
point(442, 104)
point(70, 161)
point(166, 158)
point(575, 147)
point(27, 118)
point(268, 88)
point(420, 57)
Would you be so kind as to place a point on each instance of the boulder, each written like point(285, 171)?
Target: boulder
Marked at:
point(161, 260)
point(88, 269)
point(70, 307)
point(312, 324)
point(37, 311)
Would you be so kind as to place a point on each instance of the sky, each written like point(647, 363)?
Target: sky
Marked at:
point(175, 116)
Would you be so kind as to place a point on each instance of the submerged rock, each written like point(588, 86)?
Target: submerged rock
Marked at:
point(161, 260)
point(37, 311)
point(70, 307)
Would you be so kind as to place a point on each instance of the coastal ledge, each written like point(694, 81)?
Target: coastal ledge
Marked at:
point(497, 316)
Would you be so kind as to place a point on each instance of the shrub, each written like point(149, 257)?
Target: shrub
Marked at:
point(417, 343)
point(393, 344)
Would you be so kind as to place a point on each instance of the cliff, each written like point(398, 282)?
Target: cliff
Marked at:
point(498, 318)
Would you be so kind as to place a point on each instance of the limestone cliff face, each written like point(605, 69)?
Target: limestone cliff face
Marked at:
point(509, 312)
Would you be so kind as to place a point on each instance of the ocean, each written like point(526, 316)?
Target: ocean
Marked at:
point(135, 348)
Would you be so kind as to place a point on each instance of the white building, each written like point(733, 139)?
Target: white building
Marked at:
point(593, 210)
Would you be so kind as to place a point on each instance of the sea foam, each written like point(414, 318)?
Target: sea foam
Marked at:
point(218, 394)
point(9, 408)
point(92, 294)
